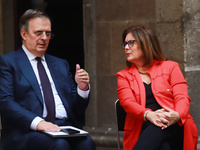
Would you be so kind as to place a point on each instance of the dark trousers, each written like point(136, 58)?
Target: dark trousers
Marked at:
point(154, 138)
point(42, 141)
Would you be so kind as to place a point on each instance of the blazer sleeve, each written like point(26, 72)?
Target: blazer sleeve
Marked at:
point(129, 95)
point(180, 93)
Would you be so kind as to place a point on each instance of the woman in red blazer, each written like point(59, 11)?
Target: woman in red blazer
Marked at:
point(154, 94)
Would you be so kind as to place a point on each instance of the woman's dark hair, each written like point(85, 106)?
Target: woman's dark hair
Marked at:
point(28, 15)
point(148, 42)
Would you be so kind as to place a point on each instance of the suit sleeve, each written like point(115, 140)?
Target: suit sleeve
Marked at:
point(76, 104)
point(9, 108)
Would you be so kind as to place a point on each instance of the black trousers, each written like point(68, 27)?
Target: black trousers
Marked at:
point(154, 138)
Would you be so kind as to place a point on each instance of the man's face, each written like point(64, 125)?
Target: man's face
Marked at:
point(37, 39)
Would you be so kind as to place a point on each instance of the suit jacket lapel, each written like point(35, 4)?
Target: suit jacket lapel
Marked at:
point(28, 72)
point(54, 69)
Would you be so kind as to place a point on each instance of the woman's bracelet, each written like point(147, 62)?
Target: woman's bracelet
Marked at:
point(145, 115)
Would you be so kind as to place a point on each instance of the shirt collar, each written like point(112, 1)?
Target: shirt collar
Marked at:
point(30, 56)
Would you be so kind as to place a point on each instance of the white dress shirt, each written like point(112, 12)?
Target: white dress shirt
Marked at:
point(60, 110)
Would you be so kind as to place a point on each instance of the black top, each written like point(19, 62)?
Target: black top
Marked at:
point(150, 99)
point(150, 103)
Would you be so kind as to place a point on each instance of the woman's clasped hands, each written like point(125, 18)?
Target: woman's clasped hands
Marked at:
point(163, 117)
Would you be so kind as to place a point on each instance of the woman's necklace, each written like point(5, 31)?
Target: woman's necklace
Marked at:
point(142, 72)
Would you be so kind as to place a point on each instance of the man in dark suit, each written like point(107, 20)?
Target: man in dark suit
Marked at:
point(25, 92)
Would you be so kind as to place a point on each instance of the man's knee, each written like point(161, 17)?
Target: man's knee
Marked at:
point(61, 144)
point(86, 143)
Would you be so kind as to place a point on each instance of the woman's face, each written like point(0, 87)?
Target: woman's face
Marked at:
point(134, 53)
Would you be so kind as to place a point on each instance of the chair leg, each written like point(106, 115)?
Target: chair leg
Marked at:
point(119, 145)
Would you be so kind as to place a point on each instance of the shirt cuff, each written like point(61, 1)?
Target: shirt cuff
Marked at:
point(83, 94)
point(35, 122)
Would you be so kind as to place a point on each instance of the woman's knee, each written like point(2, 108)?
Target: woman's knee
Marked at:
point(166, 145)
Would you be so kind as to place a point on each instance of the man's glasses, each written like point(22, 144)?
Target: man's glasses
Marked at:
point(130, 44)
point(48, 34)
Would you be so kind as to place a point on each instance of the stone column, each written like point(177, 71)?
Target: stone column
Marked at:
point(192, 54)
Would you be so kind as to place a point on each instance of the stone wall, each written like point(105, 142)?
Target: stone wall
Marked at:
point(192, 54)
point(175, 23)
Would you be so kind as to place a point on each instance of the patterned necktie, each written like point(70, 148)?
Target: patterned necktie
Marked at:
point(47, 91)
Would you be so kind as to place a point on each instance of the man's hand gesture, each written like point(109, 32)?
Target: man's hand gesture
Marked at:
point(82, 78)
